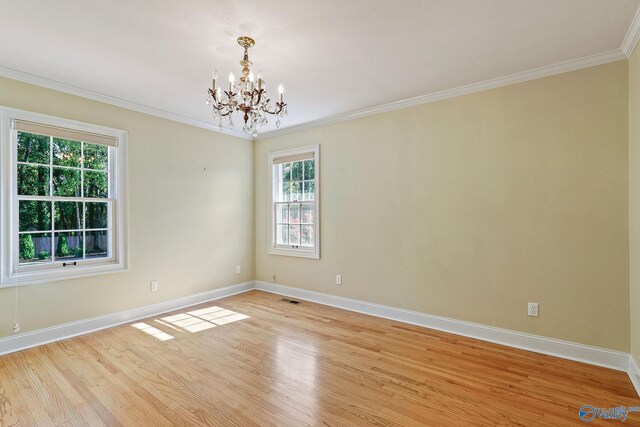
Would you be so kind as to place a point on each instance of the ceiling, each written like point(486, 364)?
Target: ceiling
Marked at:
point(333, 57)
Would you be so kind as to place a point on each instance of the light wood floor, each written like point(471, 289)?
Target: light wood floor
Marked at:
point(252, 359)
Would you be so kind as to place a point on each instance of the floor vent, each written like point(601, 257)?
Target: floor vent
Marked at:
point(290, 301)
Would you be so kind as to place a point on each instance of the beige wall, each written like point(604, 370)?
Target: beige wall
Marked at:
point(466, 208)
point(189, 227)
point(634, 199)
point(473, 206)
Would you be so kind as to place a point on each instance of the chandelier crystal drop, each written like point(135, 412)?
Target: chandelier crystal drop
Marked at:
point(248, 96)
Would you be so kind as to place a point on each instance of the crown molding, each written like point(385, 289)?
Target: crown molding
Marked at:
point(549, 70)
point(111, 100)
point(631, 39)
point(633, 35)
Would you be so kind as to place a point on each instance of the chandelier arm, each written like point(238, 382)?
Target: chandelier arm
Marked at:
point(221, 107)
point(279, 107)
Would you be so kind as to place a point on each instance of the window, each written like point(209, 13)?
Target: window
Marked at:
point(293, 205)
point(63, 198)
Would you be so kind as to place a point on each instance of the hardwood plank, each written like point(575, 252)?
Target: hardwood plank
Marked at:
point(252, 359)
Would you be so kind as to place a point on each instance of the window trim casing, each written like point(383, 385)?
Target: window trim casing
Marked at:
point(9, 277)
point(272, 249)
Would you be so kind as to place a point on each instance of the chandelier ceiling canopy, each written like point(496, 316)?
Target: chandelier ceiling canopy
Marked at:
point(248, 96)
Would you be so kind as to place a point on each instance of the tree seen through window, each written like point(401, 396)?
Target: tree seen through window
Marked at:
point(63, 199)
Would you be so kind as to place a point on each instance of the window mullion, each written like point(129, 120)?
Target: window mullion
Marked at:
point(66, 199)
point(84, 207)
point(82, 170)
point(53, 208)
point(51, 166)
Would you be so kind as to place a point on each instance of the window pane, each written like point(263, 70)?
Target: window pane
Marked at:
point(33, 148)
point(68, 246)
point(282, 214)
point(282, 234)
point(294, 235)
point(307, 214)
point(285, 192)
point(296, 171)
point(96, 156)
point(33, 180)
point(66, 182)
point(96, 215)
point(294, 213)
point(309, 193)
point(286, 172)
point(296, 191)
point(34, 215)
point(97, 244)
point(68, 215)
point(309, 169)
point(66, 152)
point(35, 248)
point(96, 184)
point(307, 235)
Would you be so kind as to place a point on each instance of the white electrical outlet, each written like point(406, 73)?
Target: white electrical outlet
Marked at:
point(533, 309)
point(338, 279)
point(16, 328)
point(154, 285)
point(237, 269)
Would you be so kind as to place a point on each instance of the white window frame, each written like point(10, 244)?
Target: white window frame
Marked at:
point(11, 274)
point(299, 251)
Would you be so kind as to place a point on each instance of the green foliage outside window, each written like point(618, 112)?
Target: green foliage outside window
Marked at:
point(62, 247)
point(27, 249)
point(295, 219)
point(61, 168)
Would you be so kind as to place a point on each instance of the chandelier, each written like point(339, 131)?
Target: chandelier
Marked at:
point(248, 96)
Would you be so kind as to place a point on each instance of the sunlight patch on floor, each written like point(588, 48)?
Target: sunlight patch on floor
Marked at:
point(154, 332)
point(203, 319)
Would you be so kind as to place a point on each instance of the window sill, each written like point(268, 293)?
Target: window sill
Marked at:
point(35, 277)
point(295, 253)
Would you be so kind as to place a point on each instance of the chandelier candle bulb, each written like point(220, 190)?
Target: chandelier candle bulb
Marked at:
point(215, 77)
point(280, 91)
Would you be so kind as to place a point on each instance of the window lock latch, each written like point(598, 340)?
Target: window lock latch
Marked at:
point(65, 264)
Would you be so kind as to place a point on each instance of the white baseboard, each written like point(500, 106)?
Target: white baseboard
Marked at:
point(634, 373)
point(554, 347)
point(26, 340)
